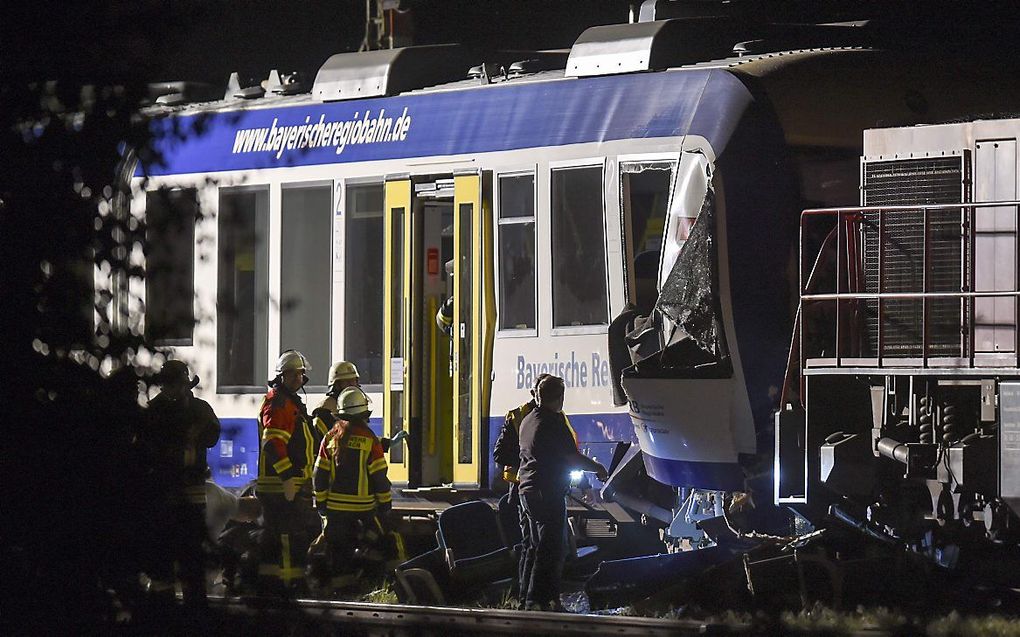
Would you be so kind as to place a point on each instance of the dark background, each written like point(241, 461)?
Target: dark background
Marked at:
point(205, 40)
point(73, 500)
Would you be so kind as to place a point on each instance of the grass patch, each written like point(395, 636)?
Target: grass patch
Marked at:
point(821, 618)
point(989, 626)
point(383, 595)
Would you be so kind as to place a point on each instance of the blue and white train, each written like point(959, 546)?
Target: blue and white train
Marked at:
point(323, 218)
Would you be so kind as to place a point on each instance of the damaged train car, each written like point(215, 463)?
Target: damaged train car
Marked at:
point(897, 406)
point(707, 369)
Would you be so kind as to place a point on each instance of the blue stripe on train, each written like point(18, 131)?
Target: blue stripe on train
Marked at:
point(719, 476)
point(597, 434)
point(543, 114)
point(234, 460)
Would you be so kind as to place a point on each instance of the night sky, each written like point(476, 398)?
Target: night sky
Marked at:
point(153, 40)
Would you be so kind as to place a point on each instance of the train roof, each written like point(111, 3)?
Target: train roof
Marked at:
point(417, 102)
point(540, 109)
point(753, 64)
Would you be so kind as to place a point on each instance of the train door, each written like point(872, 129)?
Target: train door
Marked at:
point(474, 319)
point(430, 362)
point(437, 380)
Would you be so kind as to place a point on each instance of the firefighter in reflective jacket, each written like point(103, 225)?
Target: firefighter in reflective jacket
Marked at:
point(341, 376)
point(179, 429)
point(352, 490)
point(285, 463)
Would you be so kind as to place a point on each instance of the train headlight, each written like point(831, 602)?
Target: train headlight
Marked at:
point(576, 477)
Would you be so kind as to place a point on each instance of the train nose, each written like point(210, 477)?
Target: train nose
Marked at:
point(692, 430)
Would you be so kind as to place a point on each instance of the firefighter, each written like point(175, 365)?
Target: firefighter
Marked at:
point(548, 454)
point(179, 429)
point(341, 376)
point(352, 490)
point(285, 464)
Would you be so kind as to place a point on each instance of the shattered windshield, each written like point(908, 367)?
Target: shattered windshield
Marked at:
point(688, 297)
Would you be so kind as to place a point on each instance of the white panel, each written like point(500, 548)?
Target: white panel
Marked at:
point(995, 244)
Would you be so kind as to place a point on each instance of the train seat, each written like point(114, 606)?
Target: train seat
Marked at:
point(474, 546)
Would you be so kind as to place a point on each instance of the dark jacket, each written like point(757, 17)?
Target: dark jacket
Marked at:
point(507, 451)
point(548, 453)
point(177, 434)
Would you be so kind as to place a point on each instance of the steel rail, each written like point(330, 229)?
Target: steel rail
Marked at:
point(397, 619)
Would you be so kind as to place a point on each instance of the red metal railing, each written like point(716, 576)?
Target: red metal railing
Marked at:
point(848, 298)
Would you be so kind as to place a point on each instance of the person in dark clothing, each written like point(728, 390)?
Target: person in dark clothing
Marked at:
point(179, 429)
point(548, 454)
point(507, 455)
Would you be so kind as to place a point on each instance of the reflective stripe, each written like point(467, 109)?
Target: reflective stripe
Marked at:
point(345, 497)
point(285, 567)
point(384, 497)
point(378, 465)
point(398, 539)
point(282, 465)
point(362, 476)
point(276, 433)
point(340, 506)
point(309, 452)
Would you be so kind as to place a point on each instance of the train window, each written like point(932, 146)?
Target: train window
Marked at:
point(517, 252)
point(578, 248)
point(170, 265)
point(363, 310)
point(644, 195)
point(242, 321)
point(305, 284)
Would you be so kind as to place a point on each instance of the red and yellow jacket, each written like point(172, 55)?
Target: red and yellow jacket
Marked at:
point(350, 471)
point(287, 450)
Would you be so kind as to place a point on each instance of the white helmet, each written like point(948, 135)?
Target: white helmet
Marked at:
point(342, 371)
point(292, 359)
point(353, 402)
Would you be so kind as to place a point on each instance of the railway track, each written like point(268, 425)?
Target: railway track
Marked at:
point(358, 618)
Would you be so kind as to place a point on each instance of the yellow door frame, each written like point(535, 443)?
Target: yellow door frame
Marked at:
point(395, 328)
point(470, 192)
